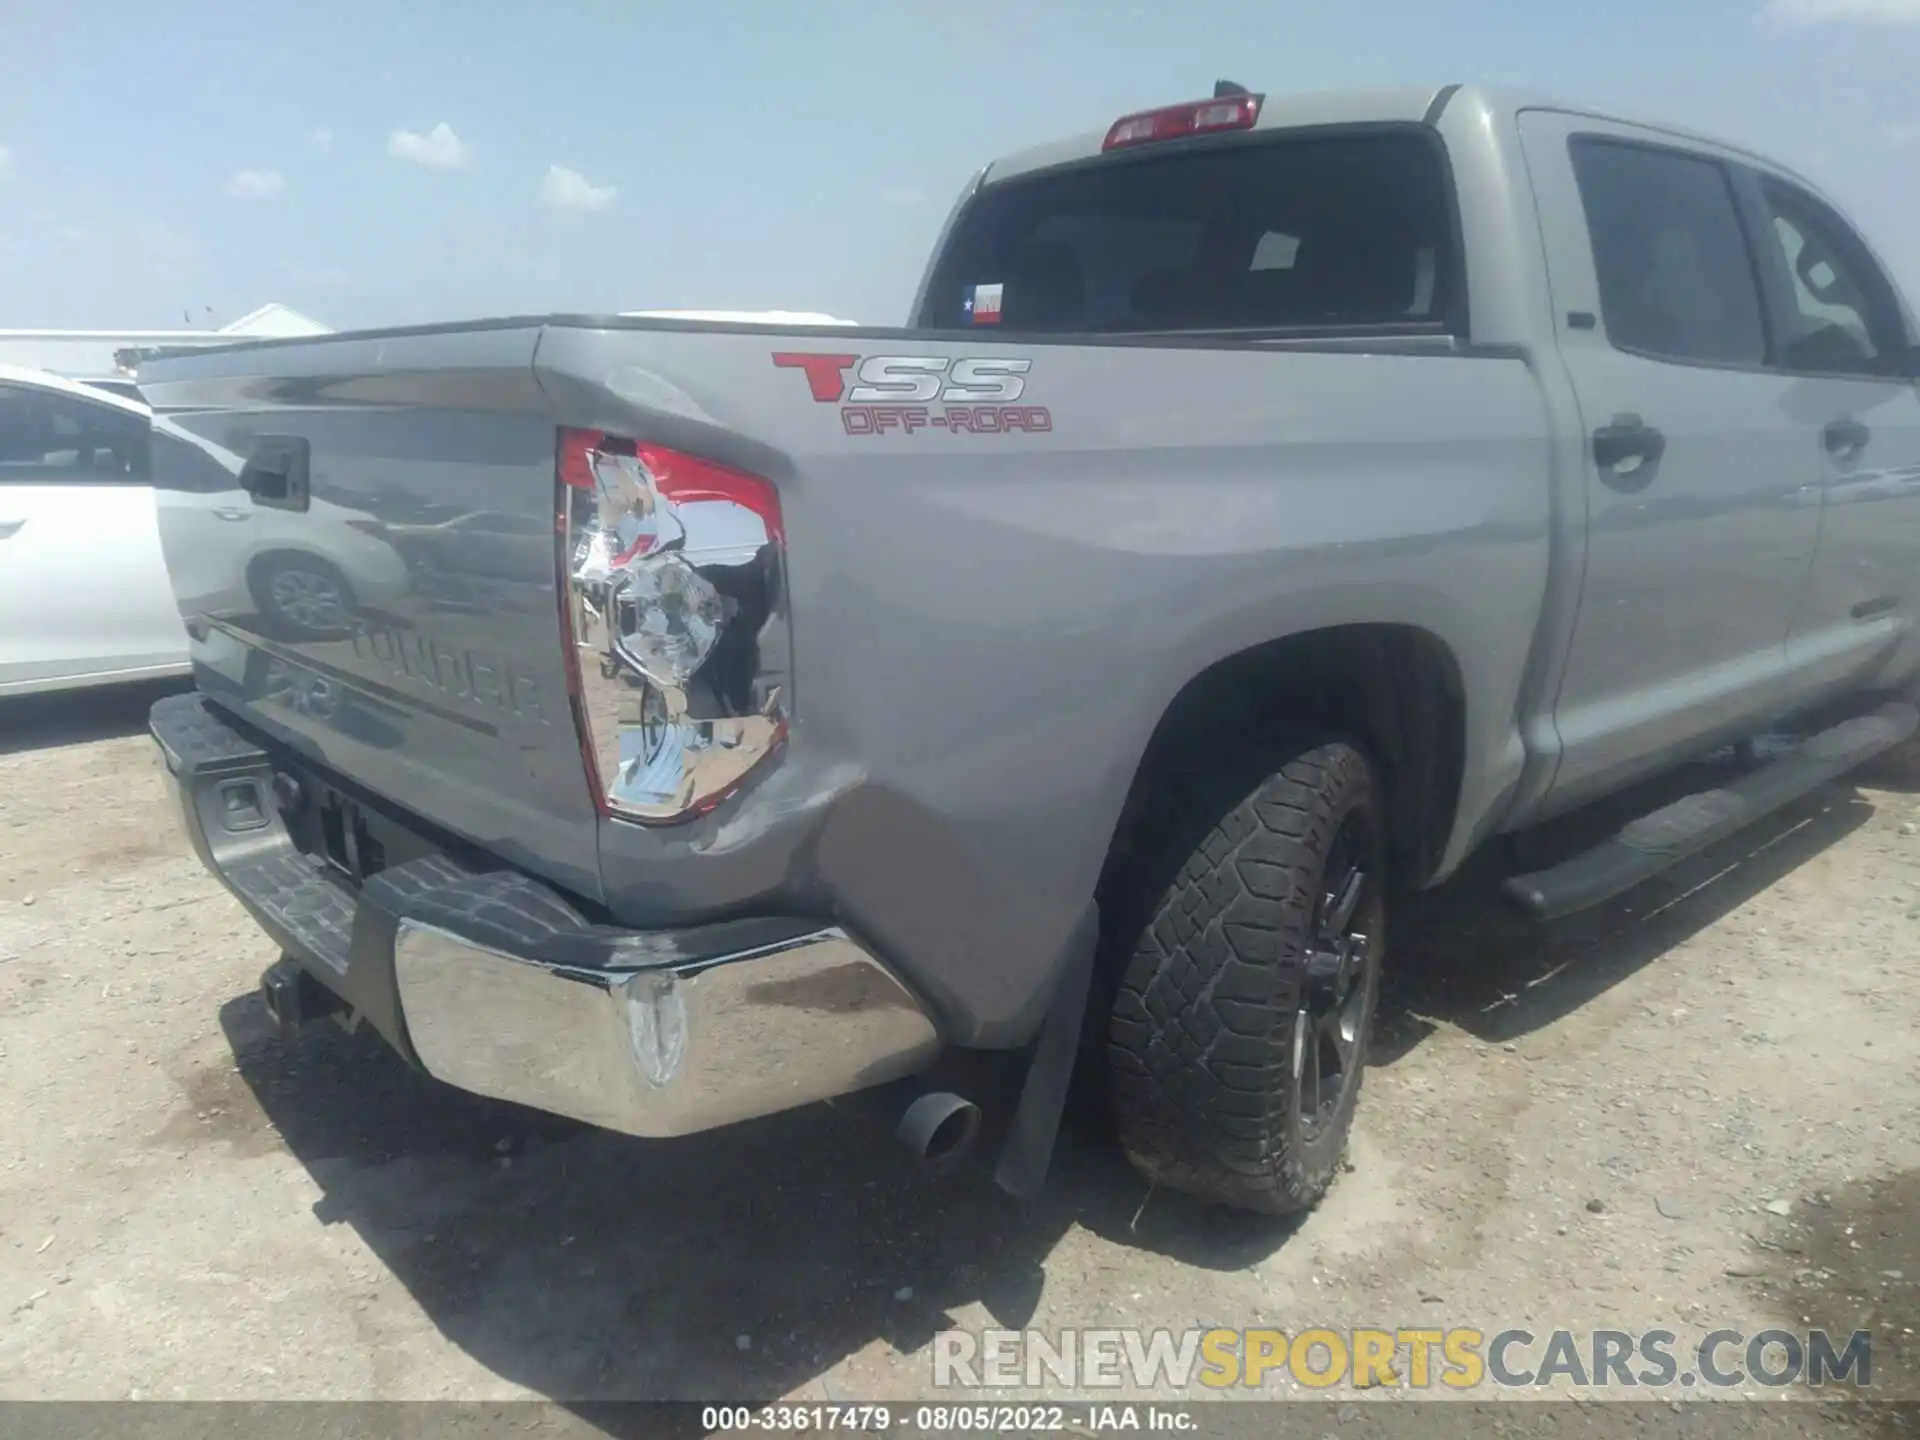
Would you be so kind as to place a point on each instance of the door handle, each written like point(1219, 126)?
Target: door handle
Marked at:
point(1845, 439)
point(1628, 450)
point(10, 528)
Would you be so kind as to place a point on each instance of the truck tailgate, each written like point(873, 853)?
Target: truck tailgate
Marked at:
point(401, 626)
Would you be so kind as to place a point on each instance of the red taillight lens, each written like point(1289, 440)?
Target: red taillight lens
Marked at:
point(679, 477)
point(1196, 117)
point(575, 445)
point(667, 562)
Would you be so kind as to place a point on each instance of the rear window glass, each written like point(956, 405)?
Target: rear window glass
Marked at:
point(1320, 231)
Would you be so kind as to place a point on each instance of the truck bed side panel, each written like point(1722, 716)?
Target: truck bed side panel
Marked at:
point(987, 627)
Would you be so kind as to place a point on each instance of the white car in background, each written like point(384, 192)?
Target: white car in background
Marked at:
point(84, 598)
point(84, 592)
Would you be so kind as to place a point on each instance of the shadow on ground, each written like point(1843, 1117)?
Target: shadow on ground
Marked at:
point(77, 717)
point(585, 1265)
point(1463, 957)
point(588, 1265)
point(1847, 1261)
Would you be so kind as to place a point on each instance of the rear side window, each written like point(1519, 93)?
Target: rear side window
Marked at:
point(50, 438)
point(1676, 276)
point(1329, 231)
point(1844, 317)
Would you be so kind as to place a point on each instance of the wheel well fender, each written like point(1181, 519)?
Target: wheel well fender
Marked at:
point(1396, 688)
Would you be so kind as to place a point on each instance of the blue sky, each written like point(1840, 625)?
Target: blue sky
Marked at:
point(387, 164)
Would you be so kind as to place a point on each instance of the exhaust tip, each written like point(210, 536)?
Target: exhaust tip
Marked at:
point(939, 1126)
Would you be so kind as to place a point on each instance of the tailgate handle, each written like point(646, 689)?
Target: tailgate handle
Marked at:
point(276, 472)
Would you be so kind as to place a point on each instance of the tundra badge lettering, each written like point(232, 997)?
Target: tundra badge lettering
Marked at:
point(974, 394)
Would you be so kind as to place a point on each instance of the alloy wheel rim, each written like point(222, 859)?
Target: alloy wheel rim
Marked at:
point(1338, 982)
point(307, 599)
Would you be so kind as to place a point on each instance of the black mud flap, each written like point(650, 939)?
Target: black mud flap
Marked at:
point(1027, 1152)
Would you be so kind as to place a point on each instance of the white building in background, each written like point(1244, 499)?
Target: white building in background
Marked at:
point(102, 354)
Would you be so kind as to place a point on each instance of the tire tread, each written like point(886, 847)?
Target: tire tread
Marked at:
point(1200, 1035)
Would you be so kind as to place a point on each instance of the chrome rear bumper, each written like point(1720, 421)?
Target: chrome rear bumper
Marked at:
point(493, 982)
point(662, 1051)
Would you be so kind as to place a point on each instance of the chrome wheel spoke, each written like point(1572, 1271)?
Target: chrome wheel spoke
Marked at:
point(1335, 1030)
point(1342, 901)
point(1310, 1080)
point(1335, 983)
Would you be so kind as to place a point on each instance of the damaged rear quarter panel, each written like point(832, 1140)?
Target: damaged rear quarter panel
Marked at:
point(988, 626)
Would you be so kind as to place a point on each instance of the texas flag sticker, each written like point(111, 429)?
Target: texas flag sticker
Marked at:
point(984, 304)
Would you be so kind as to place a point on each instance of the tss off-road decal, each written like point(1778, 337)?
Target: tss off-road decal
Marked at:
point(975, 395)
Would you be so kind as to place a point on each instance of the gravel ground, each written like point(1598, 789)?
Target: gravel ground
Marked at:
point(1592, 1125)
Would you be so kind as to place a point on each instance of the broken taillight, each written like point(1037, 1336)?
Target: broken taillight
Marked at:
point(672, 606)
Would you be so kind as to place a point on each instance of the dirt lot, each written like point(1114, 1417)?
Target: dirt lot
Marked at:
point(1592, 1126)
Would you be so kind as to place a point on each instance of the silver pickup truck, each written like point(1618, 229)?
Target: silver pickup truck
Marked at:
point(1270, 501)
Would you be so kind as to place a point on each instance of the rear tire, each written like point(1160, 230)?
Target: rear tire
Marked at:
point(1256, 935)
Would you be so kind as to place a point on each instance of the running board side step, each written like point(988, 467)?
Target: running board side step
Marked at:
point(1649, 845)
